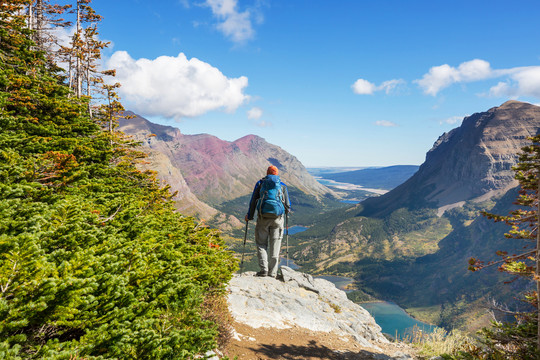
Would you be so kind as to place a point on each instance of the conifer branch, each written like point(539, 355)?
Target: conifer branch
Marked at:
point(112, 216)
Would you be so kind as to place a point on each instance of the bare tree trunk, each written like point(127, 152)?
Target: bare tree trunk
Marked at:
point(39, 24)
point(70, 73)
point(537, 271)
point(77, 52)
point(31, 16)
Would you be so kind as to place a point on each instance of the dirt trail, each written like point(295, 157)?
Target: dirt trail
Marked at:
point(298, 343)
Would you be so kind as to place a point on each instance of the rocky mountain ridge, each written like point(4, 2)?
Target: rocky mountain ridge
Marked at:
point(412, 244)
point(208, 171)
point(422, 234)
point(471, 162)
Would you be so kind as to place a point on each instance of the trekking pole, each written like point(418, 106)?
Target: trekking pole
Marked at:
point(244, 248)
point(287, 236)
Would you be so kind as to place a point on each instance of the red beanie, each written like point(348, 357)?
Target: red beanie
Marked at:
point(272, 170)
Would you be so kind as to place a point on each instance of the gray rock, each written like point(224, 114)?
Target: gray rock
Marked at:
point(300, 300)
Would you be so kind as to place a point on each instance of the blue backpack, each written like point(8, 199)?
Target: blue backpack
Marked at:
point(271, 198)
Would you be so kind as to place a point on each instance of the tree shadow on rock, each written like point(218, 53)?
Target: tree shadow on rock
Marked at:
point(313, 351)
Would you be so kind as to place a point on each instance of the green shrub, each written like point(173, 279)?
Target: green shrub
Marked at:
point(94, 262)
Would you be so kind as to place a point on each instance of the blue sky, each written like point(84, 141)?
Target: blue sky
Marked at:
point(335, 83)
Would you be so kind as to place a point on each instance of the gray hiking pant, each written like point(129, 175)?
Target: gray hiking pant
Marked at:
point(268, 236)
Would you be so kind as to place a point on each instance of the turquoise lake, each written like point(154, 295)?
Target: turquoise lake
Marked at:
point(394, 320)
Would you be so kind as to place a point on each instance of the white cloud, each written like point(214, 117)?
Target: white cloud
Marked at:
point(390, 85)
point(440, 77)
point(515, 82)
point(385, 123)
point(236, 25)
point(501, 89)
point(364, 87)
point(254, 113)
point(525, 81)
point(176, 87)
point(452, 120)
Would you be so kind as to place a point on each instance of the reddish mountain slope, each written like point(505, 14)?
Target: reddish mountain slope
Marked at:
point(216, 170)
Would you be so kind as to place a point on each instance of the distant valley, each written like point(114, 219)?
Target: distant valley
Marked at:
point(385, 178)
point(408, 243)
point(412, 244)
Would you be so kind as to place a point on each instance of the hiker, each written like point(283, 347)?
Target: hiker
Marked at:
point(271, 199)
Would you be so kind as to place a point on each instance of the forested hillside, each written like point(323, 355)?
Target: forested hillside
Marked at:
point(94, 262)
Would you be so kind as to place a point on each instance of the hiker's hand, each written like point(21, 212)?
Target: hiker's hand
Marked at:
point(246, 218)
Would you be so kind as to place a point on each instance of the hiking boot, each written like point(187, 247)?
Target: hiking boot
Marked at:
point(261, 273)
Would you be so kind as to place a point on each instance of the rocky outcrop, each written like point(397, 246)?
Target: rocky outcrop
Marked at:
point(299, 300)
point(216, 170)
point(471, 162)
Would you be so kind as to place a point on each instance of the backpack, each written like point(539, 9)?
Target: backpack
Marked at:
point(271, 198)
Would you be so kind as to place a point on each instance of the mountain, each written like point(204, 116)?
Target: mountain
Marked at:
point(208, 171)
point(412, 244)
point(473, 161)
point(379, 178)
point(185, 201)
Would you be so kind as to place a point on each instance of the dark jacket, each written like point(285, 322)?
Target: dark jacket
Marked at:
point(257, 193)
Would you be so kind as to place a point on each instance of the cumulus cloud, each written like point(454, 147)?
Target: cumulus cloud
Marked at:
point(176, 87)
point(518, 81)
point(235, 25)
point(254, 113)
point(522, 81)
point(385, 123)
point(364, 87)
point(440, 77)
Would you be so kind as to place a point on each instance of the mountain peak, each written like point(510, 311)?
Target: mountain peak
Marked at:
point(470, 162)
point(247, 142)
point(133, 124)
point(216, 170)
point(512, 104)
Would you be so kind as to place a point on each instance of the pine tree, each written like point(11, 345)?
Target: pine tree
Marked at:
point(524, 222)
point(94, 262)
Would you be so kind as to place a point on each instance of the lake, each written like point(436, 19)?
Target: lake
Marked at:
point(296, 229)
point(393, 319)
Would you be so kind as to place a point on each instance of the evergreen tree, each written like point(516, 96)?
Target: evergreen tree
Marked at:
point(94, 262)
point(522, 339)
